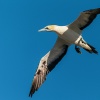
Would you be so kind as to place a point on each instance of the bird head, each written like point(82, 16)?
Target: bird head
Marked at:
point(48, 28)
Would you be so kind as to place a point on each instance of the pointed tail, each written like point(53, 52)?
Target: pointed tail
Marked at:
point(91, 50)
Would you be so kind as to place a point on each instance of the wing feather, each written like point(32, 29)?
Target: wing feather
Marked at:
point(47, 63)
point(85, 19)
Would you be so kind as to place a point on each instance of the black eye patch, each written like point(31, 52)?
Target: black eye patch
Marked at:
point(46, 28)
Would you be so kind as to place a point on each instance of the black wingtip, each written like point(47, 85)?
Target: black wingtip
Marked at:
point(95, 11)
point(30, 95)
point(32, 91)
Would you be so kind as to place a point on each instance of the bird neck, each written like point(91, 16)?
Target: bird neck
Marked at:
point(60, 29)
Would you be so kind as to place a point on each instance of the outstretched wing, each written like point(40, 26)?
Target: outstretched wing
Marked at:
point(47, 63)
point(85, 19)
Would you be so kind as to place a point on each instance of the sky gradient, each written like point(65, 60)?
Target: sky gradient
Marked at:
point(76, 77)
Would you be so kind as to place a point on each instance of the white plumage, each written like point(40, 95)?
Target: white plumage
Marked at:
point(67, 35)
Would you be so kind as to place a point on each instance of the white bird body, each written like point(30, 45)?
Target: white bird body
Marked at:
point(70, 36)
point(67, 35)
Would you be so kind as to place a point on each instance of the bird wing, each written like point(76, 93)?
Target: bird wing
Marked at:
point(47, 63)
point(85, 19)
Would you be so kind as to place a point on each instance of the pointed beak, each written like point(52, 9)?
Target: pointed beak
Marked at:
point(41, 30)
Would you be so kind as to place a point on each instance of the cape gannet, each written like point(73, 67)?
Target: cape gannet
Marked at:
point(67, 35)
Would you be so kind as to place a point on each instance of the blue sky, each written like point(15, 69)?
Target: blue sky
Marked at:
point(76, 77)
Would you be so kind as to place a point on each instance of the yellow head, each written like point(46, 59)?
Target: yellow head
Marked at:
point(48, 28)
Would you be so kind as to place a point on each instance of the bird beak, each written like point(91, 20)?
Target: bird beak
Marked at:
point(41, 30)
point(44, 30)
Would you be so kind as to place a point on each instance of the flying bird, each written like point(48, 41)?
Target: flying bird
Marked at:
point(67, 35)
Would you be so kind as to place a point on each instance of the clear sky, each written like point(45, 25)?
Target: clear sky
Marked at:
point(76, 77)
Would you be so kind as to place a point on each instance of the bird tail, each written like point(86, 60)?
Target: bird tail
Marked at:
point(90, 49)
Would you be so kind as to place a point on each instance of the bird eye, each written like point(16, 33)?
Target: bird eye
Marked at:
point(46, 28)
